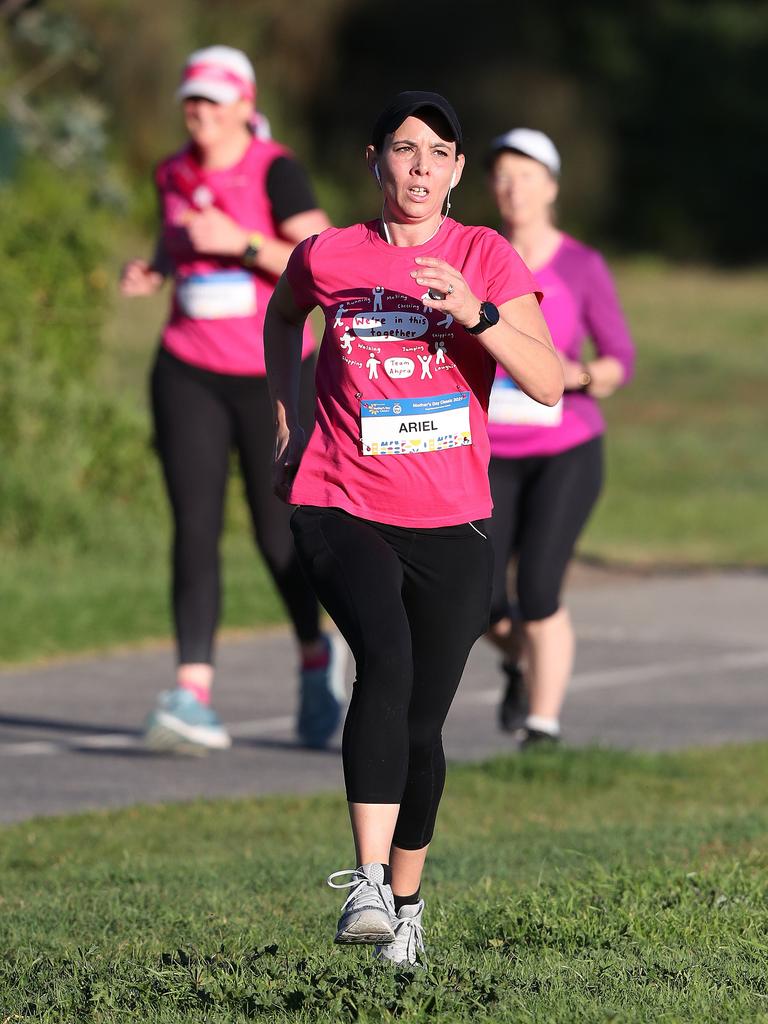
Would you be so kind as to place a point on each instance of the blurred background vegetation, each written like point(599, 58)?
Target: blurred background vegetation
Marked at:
point(659, 111)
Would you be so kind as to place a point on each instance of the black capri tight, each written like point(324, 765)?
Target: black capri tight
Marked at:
point(199, 418)
point(541, 505)
point(411, 604)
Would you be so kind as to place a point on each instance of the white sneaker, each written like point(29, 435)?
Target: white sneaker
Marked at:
point(409, 938)
point(368, 914)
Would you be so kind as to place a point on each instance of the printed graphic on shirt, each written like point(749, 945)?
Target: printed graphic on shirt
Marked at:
point(361, 324)
point(425, 370)
point(410, 426)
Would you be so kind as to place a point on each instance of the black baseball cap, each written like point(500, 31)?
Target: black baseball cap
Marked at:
point(407, 103)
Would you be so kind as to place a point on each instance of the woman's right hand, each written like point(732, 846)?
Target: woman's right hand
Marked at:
point(289, 447)
point(139, 278)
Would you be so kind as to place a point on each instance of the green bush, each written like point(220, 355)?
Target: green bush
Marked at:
point(75, 466)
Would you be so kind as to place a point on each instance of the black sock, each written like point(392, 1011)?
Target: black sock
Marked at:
point(407, 901)
point(387, 874)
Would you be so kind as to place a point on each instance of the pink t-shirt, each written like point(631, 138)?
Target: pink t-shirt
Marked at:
point(218, 307)
point(580, 303)
point(402, 390)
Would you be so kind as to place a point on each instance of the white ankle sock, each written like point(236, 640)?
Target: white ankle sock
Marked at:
point(543, 724)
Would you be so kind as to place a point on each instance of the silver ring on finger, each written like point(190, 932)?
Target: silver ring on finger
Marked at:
point(450, 289)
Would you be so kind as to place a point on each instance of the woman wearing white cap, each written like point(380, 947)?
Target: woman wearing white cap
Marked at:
point(546, 463)
point(233, 205)
point(418, 308)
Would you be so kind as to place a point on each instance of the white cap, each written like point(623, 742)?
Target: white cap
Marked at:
point(221, 74)
point(530, 143)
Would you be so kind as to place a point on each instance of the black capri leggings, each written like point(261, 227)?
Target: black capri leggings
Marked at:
point(411, 604)
point(541, 505)
point(199, 418)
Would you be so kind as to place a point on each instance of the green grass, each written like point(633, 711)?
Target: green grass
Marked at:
point(684, 464)
point(63, 603)
point(563, 887)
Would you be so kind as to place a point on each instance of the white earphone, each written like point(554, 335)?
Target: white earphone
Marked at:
point(453, 180)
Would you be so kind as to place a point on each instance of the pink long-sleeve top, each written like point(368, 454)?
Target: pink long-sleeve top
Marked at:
point(580, 304)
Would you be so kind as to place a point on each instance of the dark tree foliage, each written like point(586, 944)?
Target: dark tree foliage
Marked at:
point(659, 108)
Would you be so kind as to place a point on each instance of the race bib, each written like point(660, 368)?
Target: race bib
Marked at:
point(217, 296)
point(509, 405)
point(412, 426)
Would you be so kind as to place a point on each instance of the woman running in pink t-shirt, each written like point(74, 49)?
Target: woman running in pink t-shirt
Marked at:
point(233, 205)
point(393, 479)
point(547, 462)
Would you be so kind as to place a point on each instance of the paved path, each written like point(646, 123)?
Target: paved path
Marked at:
point(663, 662)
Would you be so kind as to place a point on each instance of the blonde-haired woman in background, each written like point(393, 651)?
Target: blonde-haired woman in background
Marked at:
point(546, 466)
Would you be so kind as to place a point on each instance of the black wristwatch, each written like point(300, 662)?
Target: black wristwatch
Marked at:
point(255, 242)
point(489, 317)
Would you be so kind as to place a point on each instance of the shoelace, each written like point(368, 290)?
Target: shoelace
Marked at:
point(414, 942)
point(358, 879)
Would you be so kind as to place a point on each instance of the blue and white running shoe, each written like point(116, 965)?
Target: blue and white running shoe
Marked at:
point(181, 724)
point(323, 696)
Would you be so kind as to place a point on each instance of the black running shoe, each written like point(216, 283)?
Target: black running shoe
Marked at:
point(538, 738)
point(513, 709)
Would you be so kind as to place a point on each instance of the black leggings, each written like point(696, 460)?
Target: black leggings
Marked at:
point(541, 505)
point(411, 604)
point(199, 418)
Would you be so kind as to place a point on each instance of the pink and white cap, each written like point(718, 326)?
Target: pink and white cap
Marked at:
point(221, 74)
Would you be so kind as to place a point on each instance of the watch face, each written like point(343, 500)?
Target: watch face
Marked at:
point(490, 313)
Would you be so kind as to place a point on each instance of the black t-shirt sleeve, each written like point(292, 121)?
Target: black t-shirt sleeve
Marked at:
point(289, 189)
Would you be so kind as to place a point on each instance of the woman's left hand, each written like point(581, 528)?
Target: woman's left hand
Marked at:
point(441, 277)
point(214, 232)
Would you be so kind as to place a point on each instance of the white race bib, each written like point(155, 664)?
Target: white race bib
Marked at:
point(412, 426)
point(510, 405)
point(218, 295)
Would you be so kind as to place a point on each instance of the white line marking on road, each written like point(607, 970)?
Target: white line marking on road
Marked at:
point(38, 747)
point(645, 635)
point(735, 661)
point(261, 726)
